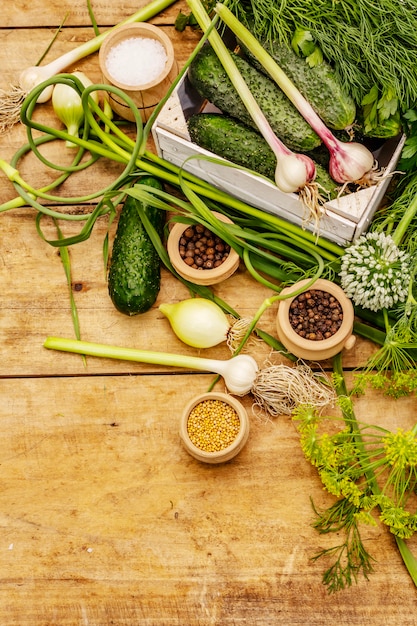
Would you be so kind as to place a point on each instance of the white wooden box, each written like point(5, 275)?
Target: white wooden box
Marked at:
point(345, 218)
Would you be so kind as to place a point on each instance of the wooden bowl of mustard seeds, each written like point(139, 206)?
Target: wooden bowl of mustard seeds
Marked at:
point(214, 427)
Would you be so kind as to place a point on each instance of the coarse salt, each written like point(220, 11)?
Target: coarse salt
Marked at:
point(136, 61)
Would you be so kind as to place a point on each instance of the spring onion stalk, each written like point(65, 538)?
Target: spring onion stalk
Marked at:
point(276, 388)
point(67, 104)
point(239, 372)
point(293, 171)
point(349, 162)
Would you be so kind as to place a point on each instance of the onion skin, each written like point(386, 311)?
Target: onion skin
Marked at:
point(68, 107)
point(351, 162)
point(197, 322)
point(34, 76)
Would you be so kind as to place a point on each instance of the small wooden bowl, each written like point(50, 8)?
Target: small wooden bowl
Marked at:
point(230, 451)
point(146, 96)
point(200, 277)
point(320, 349)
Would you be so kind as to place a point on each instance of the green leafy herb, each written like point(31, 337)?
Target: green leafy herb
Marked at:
point(371, 45)
point(368, 469)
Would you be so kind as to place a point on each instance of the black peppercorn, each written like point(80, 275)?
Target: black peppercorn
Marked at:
point(315, 315)
point(201, 249)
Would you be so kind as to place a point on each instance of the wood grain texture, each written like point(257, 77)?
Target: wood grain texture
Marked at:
point(105, 520)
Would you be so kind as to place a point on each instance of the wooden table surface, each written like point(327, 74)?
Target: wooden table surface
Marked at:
point(105, 519)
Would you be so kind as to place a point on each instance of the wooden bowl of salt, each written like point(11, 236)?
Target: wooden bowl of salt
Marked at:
point(139, 59)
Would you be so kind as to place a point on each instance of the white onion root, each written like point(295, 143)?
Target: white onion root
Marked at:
point(278, 389)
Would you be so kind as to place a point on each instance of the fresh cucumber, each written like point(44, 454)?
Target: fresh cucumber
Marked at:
point(134, 273)
point(233, 140)
point(318, 84)
point(210, 80)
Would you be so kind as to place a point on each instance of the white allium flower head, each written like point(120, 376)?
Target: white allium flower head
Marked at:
point(375, 273)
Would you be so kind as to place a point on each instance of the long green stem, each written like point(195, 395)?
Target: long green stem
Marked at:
point(293, 171)
point(127, 354)
point(239, 372)
point(142, 15)
point(405, 221)
point(229, 65)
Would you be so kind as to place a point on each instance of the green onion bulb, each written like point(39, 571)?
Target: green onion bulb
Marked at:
point(198, 322)
point(67, 105)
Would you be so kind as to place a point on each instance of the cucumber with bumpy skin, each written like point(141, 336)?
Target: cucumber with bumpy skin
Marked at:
point(211, 81)
point(134, 271)
point(318, 84)
point(232, 140)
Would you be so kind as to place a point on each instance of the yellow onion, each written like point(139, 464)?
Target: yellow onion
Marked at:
point(198, 322)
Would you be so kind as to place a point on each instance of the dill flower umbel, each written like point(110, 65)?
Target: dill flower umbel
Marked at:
point(375, 273)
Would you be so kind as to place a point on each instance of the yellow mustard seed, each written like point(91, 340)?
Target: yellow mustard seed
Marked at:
point(213, 425)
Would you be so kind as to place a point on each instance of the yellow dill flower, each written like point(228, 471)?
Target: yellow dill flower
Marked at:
point(396, 518)
point(364, 517)
point(351, 491)
point(401, 449)
point(331, 481)
point(310, 446)
point(305, 414)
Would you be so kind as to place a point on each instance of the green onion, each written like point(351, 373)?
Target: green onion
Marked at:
point(349, 161)
point(294, 171)
point(239, 372)
point(275, 388)
point(33, 76)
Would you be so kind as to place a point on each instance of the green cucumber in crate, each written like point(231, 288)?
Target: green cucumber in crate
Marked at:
point(211, 81)
point(318, 84)
point(236, 142)
point(134, 271)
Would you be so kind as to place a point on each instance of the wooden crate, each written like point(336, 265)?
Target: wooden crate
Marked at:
point(344, 219)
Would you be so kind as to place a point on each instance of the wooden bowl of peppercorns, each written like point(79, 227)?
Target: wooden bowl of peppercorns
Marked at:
point(200, 256)
point(214, 427)
point(317, 323)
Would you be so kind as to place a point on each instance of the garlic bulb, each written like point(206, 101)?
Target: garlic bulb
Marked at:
point(67, 105)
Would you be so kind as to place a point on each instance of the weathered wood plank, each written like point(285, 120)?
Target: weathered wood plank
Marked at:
point(106, 519)
point(51, 13)
point(35, 304)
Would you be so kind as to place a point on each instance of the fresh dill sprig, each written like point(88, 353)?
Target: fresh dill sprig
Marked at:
point(373, 474)
point(370, 44)
point(350, 558)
